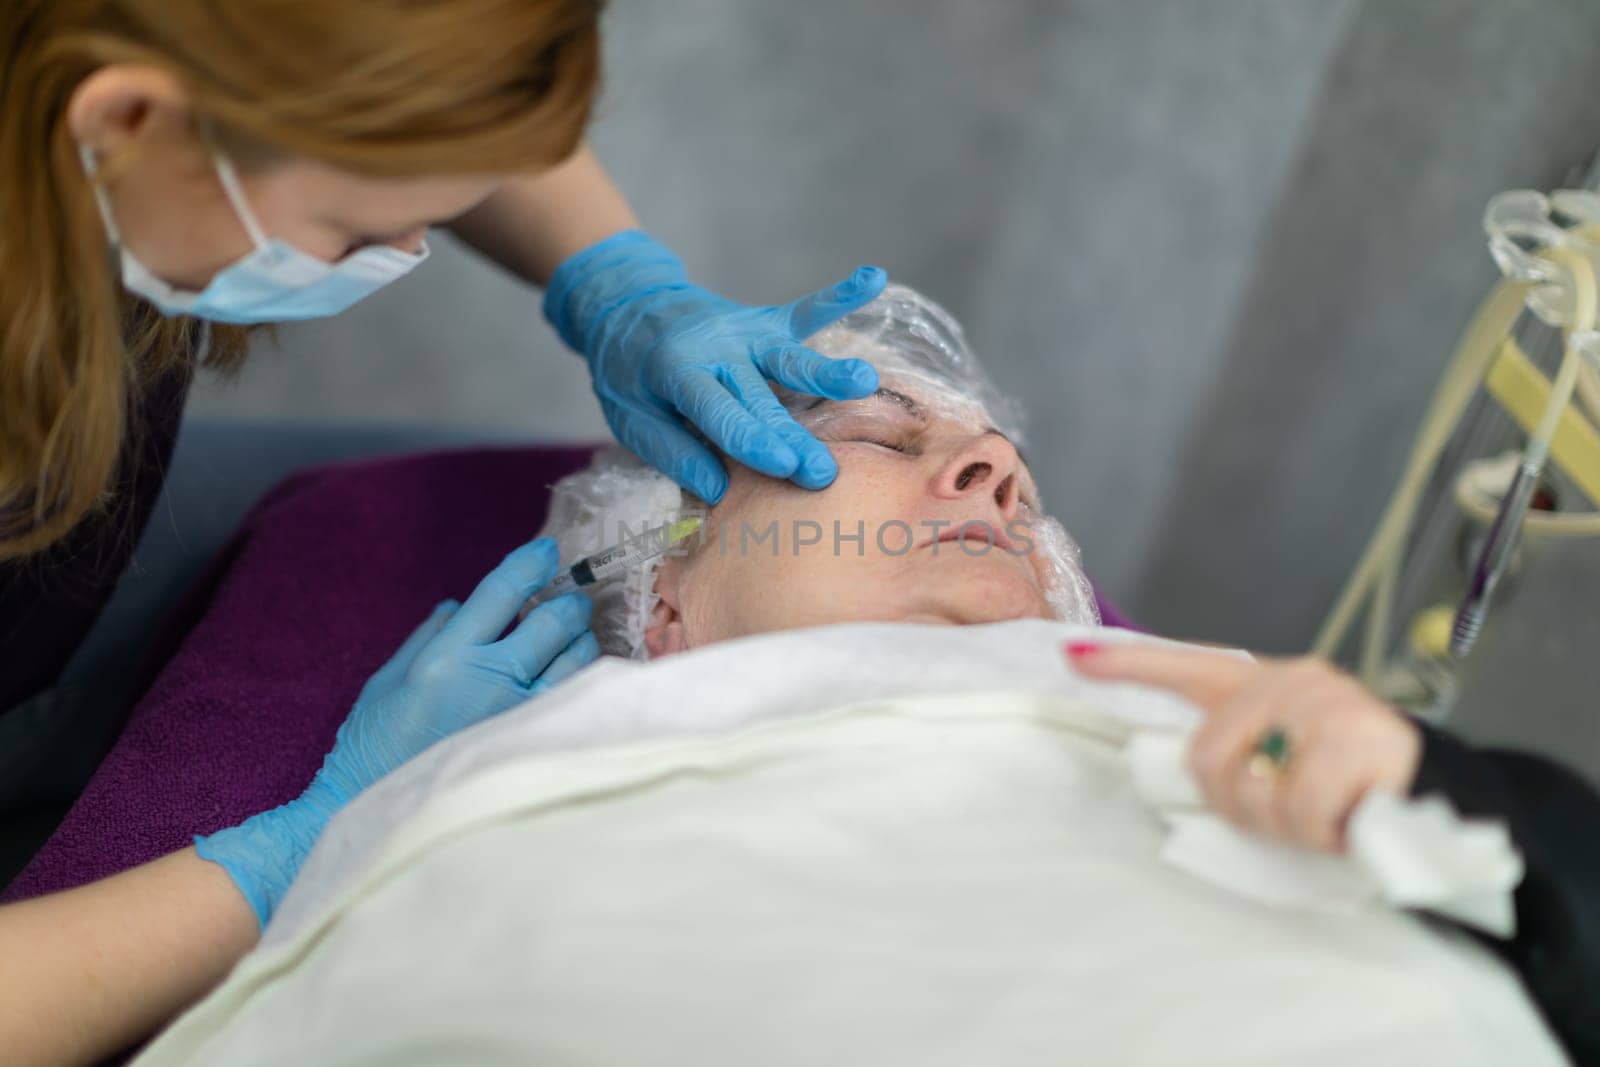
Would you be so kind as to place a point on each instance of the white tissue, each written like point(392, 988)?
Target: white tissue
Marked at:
point(1422, 854)
point(1405, 853)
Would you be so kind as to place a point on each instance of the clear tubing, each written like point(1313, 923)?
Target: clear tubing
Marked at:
point(1580, 334)
point(1533, 280)
point(1495, 557)
point(1475, 353)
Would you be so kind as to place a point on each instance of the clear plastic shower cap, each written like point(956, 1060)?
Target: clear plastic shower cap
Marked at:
point(915, 342)
point(917, 348)
point(615, 497)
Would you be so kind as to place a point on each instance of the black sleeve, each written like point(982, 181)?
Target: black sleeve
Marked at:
point(1554, 818)
point(49, 601)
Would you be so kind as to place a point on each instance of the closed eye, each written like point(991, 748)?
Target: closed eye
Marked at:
point(883, 444)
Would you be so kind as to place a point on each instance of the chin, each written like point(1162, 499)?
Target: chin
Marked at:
point(985, 591)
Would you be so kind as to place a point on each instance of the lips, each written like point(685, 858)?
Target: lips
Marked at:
point(984, 533)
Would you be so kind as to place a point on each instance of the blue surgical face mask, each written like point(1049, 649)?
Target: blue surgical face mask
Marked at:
point(274, 283)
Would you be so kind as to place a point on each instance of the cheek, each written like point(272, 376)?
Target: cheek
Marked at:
point(873, 484)
point(749, 578)
point(316, 242)
point(755, 501)
point(287, 213)
point(738, 585)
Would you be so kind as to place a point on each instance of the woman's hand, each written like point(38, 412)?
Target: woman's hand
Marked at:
point(662, 350)
point(85, 972)
point(1342, 742)
point(453, 671)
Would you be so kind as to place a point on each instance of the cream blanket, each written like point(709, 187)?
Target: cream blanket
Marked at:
point(853, 844)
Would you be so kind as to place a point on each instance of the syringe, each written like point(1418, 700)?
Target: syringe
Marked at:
point(614, 561)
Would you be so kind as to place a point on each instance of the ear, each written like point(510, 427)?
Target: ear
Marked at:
point(664, 634)
point(129, 104)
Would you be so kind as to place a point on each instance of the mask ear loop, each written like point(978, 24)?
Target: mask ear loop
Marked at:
point(226, 173)
point(234, 189)
point(91, 173)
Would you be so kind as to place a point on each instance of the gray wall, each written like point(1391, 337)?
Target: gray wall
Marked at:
point(1220, 247)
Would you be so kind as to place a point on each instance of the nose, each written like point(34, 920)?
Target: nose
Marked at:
point(986, 464)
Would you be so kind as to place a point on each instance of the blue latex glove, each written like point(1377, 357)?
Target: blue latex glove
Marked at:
point(453, 671)
point(660, 347)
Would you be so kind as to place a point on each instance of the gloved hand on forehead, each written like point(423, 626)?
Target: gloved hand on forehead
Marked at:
point(662, 351)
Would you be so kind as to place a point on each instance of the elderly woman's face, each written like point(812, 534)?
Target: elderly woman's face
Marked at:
point(928, 522)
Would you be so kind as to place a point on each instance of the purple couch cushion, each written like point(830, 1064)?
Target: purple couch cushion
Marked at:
point(326, 577)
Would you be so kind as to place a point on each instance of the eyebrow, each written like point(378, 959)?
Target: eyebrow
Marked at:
point(904, 401)
point(889, 394)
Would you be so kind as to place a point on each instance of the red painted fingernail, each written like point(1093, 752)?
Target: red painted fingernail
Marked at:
point(1077, 649)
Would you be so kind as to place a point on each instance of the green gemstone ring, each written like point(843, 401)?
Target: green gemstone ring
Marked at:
point(1271, 755)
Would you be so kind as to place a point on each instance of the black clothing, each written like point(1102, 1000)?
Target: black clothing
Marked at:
point(48, 601)
point(1554, 818)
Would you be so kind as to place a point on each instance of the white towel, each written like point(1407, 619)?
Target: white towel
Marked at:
point(1406, 853)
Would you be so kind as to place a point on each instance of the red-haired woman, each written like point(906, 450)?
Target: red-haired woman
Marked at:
point(173, 172)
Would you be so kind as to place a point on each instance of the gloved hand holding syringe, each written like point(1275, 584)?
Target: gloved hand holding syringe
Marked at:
point(616, 560)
